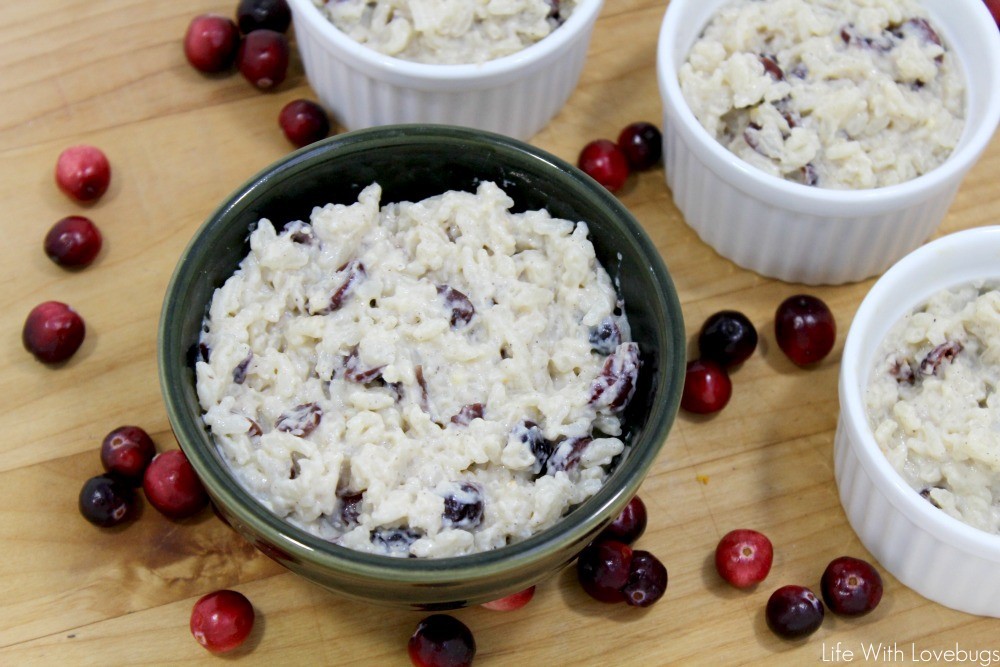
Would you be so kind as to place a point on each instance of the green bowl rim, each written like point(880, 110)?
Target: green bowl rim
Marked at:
point(305, 547)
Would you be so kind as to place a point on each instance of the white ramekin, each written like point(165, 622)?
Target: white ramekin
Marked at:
point(515, 95)
point(806, 234)
point(936, 555)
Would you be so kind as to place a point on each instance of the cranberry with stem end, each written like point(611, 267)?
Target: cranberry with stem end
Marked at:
point(629, 525)
point(221, 621)
point(73, 242)
point(707, 387)
point(172, 486)
point(804, 329)
point(727, 337)
point(303, 122)
point(263, 58)
point(256, 14)
point(511, 602)
point(743, 557)
point(603, 569)
point(106, 500)
point(851, 586)
point(83, 172)
point(127, 451)
point(605, 162)
point(211, 42)
point(441, 641)
point(793, 612)
point(647, 580)
point(53, 332)
point(642, 144)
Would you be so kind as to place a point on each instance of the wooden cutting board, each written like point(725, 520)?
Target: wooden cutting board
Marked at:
point(113, 74)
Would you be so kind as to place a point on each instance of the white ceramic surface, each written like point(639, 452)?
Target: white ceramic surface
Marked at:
point(516, 95)
point(936, 555)
point(805, 234)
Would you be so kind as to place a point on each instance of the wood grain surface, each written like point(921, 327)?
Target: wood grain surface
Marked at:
point(113, 74)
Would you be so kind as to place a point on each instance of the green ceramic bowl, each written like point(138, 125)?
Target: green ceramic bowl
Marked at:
point(412, 162)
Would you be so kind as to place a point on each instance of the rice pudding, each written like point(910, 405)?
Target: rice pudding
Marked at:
point(843, 94)
point(933, 405)
point(419, 379)
point(447, 32)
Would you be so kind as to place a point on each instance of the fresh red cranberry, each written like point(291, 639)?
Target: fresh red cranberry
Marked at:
point(441, 641)
point(642, 145)
point(603, 569)
point(707, 387)
point(211, 42)
point(268, 14)
point(127, 451)
point(804, 329)
point(727, 337)
point(647, 580)
point(83, 172)
point(73, 242)
point(851, 586)
point(743, 557)
point(221, 621)
point(53, 332)
point(511, 602)
point(629, 524)
point(172, 486)
point(106, 501)
point(303, 122)
point(605, 162)
point(263, 58)
point(793, 612)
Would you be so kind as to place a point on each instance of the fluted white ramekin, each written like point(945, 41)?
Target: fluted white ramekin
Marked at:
point(936, 555)
point(515, 95)
point(806, 234)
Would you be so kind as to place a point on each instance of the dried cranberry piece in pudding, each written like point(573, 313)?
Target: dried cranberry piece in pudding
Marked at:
point(354, 273)
point(606, 336)
point(462, 309)
point(240, 372)
point(301, 420)
point(355, 372)
point(945, 352)
point(394, 540)
point(529, 433)
point(613, 387)
point(770, 64)
point(467, 414)
point(350, 507)
point(463, 508)
point(567, 455)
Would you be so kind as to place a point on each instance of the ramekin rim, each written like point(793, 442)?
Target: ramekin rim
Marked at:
point(861, 440)
point(827, 201)
point(583, 14)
